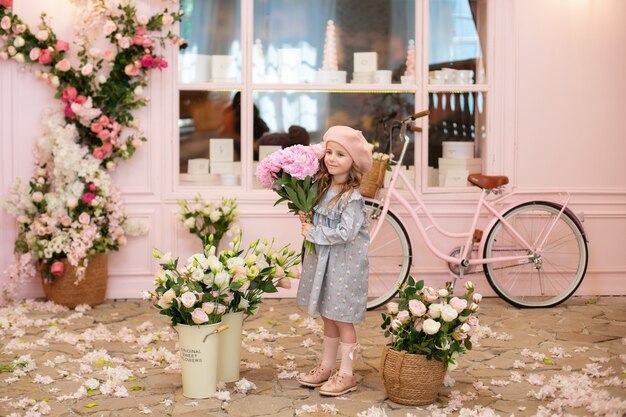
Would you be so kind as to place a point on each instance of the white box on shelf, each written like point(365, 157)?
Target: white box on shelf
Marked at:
point(194, 68)
point(265, 150)
point(198, 166)
point(382, 76)
point(473, 165)
point(407, 79)
point(204, 179)
point(458, 150)
point(330, 77)
point(365, 61)
point(289, 60)
point(453, 178)
point(229, 180)
point(225, 167)
point(221, 150)
point(222, 68)
point(433, 177)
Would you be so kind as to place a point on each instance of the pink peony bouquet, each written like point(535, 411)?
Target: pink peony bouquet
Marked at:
point(291, 173)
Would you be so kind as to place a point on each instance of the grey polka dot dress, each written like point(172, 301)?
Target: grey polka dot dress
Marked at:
point(334, 279)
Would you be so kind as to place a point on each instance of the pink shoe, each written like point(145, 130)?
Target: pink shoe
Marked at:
point(338, 384)
point(316, 376)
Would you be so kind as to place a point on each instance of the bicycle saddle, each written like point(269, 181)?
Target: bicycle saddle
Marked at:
point(488, 181)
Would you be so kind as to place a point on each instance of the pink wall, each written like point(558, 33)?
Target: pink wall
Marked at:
point(556, 122)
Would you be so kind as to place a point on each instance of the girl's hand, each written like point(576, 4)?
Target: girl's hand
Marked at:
point(302, 216)
point(305, 228)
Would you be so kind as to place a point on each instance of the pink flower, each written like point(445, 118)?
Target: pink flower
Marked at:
point(5, 23)
point(403, 316)
point(147, 61)
point(68, 111)
point(98, 153)
point(7, 4)
point(91, 186)
point(62, 46)
point(80, 99)
point(131, 70)
point(103, 120)
point(284, 283)
point(63, 65)
point(96, 127)
point(198, 316)
point(159, 63)
point(57, 269)
point(103, 134)
point(84, 218)
point(45, 57)
point(188, 299)
point(108, 55)
point(458, 304)
point(88, 198)
point(107, 147)
point(69, 94)
point(417, 308)
point(34, 53)
point(66, 221)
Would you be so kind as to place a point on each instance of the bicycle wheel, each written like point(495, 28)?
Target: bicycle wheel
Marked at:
point(390, 257)
point(548, 277)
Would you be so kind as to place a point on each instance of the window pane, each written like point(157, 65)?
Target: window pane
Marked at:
point(213, 52)
point(290, 39)
point(457, 35)
point(303, 117)
point(456, 134)
point(209, 128)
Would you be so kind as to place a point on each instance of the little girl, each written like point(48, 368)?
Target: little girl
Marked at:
point(334, 277)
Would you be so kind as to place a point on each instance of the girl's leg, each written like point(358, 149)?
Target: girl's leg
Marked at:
point(347, 334)
point(330, 344)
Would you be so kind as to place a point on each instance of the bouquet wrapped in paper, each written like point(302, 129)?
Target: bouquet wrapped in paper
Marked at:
point(291, 173)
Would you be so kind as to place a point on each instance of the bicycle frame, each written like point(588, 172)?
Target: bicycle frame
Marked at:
point(464, 257)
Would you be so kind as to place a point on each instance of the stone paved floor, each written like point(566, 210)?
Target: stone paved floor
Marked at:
point(568, 360)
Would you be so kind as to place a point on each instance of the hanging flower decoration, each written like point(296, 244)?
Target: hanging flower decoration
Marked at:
point(69, 209)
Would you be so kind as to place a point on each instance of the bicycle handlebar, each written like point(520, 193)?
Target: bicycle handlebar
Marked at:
point(404, 124)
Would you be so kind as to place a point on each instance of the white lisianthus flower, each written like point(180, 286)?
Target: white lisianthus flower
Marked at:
point(198, 316)
point(431, 326)
point(448, 313)
point(235, 262)
point(458, 304)
point(197, 274)
point(222, 279)
point(190, 223)
point(434, 310)
point(243, 304)
point(215, 264)
point(250, 259)
point(215, 216)
point(208, 279)
point(392, 308)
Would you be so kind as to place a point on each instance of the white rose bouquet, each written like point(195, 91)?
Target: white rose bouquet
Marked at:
point(432, 322)
point(204, 218)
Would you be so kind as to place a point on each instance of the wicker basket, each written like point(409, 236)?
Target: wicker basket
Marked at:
point(411, 379)
point(91, 290)
point(374, 179)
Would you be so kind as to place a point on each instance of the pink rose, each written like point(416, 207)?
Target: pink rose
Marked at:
point(108, 55)
point(80, 99)
point(34, 53)
point(88, 198)
point(84, 218)
point(147, 61)
point(159, 63)
point(57, 268)
point(69, 94)
point(45, 57)
point(63, 65)
point(62, 46)
point(417, 308)
point(131, 70)
point(103, 134)
point(103, 120)
point(96, 127)
point(7, 4)
point(92, 186)
point(5, 23)
point(198, 316)
point(458, 304)
point(66, 221)
point(68, 111)
point(98, 153)
point(403, 316)
point(107, 147)
point(188, 299)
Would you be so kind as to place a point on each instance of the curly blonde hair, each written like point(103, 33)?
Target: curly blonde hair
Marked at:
point(324, 182)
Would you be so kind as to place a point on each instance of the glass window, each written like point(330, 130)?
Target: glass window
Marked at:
point(291, 40)
point(209, 132)
point(456, 134)
point(303, 117)
point(212, 30)
point(457, 34)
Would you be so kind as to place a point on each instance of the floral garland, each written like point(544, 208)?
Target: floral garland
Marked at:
point(70, 210)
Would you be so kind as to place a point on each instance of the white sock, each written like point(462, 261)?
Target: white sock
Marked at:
point(347, 357)
point(329, 352)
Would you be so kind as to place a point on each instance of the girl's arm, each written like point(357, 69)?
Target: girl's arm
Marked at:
point(352, 218)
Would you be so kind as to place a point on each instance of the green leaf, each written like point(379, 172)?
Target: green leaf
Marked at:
point(91, 405)
point(136, 388)
point(548, 361)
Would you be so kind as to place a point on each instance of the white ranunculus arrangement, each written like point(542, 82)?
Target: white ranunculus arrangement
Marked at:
point(204, 218)
point(232, 280)
point(431, 322)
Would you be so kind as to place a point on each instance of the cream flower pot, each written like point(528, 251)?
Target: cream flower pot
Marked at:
point(199, 351)
point(230, 348)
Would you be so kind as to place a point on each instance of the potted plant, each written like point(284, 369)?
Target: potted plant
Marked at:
point(428, 329)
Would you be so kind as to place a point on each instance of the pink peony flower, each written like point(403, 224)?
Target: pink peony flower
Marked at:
point(88, 198)
point(147, 61)
point(69, 94)
point(45, 57)
point(61, 45)
point(57, 269)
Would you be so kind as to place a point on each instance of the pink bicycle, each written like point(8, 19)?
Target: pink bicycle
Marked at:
point(533, 253)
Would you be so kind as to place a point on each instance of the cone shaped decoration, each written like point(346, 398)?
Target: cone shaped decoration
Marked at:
point(329, 62)
point(409, 73)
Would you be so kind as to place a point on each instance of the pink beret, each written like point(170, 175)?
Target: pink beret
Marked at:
point(354, 142)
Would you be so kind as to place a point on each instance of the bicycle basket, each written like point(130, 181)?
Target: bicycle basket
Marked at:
point(374, 179)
